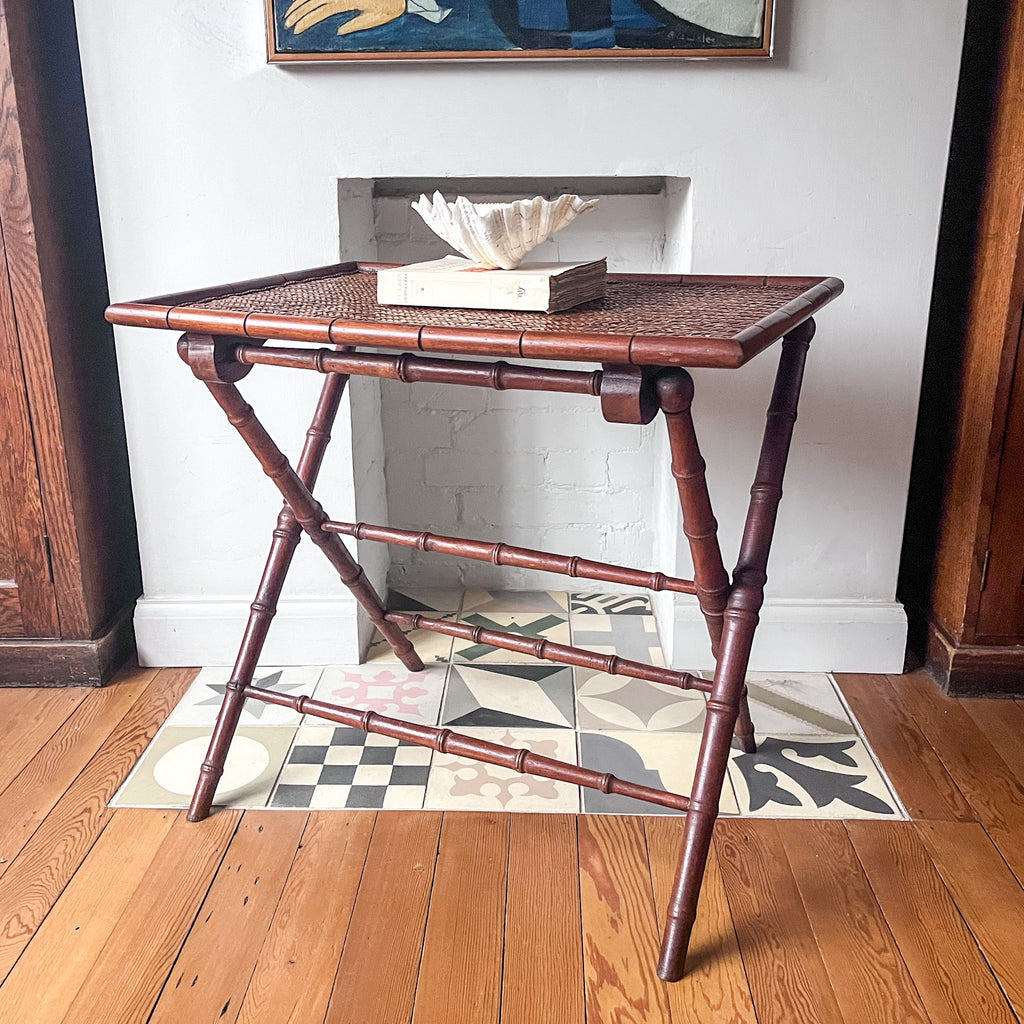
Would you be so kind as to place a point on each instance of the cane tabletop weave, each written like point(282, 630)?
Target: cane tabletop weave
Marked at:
point(709, 321)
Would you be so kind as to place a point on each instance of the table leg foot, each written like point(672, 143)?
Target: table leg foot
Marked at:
point(744, 731)
point(206, 787)
point(674, 945)
point(682, 905)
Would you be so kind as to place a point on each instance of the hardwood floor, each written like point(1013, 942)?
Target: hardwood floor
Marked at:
point(475, 918)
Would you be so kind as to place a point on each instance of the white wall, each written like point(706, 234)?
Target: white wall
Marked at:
point(829, 159)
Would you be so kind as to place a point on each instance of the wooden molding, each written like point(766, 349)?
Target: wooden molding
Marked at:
point(967, 670)
point(25, 662)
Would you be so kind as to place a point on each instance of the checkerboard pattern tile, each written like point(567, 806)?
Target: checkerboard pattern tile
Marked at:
point(335, 766)
point(812, 760)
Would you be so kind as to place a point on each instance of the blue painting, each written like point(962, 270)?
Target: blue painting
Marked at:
point(403, 29)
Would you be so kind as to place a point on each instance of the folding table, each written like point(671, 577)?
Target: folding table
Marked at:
point(644, 334)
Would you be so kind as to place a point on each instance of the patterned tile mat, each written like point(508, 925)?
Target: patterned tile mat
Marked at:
point(812, 759)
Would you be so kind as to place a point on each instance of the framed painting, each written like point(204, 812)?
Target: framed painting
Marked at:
point(347, 30)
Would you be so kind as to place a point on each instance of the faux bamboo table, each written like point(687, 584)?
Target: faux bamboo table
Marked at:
point(644, 334)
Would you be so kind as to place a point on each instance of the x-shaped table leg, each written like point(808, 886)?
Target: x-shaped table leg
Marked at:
point(301, 512)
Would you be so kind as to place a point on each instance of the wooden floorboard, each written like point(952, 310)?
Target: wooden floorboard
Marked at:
point(380, 965)
point(460, 971)
point(986, 780)
point(542, 922)
point(949, 971)
point(620, 929)
point(127, 977)
point(30, 719)
point(1002, 722)
point(295, 970)
point(869, 978)
point(987, 895)
point(915, 769)
point(32, 794)
point(235, 915)
point(788, 978)
point(49, 974)
point(286, 917)
point(714, 989)
point(52, 854)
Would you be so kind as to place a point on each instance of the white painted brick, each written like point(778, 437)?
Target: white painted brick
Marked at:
point(436, 573)
point(633, 468)
point(576, 469)
point(415, 507)
point(494, 432)
point(529, 468)
point(454, 467)
point(404, 474)
point(452, 397)
point(532, 403)
point(534, 507)
point(409, 429)
point(569, 540)
point(629, 544)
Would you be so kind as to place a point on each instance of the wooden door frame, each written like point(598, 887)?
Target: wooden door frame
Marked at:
point(51, 233)
point(975, 322)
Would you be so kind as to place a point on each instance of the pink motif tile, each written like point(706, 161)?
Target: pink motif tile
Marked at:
point(459, 784)
point(390, 690)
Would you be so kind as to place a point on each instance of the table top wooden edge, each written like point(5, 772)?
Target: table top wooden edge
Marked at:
point(175, 311)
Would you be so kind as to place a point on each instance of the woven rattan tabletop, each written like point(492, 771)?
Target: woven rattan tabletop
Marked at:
point(645, 319)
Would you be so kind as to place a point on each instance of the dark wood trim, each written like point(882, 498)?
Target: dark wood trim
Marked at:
point(968, 670)
point(25, 662)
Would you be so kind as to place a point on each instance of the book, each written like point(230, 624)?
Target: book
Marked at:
point(457, 283)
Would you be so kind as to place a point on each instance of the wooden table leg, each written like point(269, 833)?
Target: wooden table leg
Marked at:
point(264, 606)
point(675, 395)
point(210, 361)
point(739, 622)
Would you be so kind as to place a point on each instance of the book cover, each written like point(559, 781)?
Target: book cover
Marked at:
point(455, 282)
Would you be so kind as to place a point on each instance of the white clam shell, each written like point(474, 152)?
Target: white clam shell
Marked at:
point(499, 234)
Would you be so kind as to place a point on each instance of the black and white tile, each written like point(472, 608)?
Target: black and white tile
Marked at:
point(607, 702)
point(634, 637)
point(662, 760)
point(520, 696)
point(531, 625)
point(339, 767)
point(609, 604)
point(811, 777)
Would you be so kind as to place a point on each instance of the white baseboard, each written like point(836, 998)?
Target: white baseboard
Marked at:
point(799, 636)
point(311, 631)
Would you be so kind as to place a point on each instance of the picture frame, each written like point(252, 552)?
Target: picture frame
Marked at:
point(389, 30)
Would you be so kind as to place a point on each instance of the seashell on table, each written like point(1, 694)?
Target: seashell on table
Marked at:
point(499, 234)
